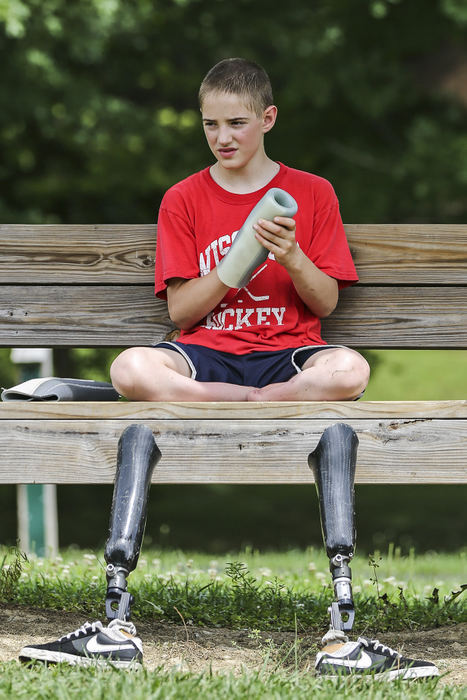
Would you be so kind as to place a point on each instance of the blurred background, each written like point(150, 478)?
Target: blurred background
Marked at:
point(99, 116)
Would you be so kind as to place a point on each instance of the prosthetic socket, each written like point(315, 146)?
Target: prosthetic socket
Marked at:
point(137, 456)
point(333, 463)
point(246, 253)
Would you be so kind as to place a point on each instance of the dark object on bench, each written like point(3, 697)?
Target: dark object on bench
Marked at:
point(56, 389)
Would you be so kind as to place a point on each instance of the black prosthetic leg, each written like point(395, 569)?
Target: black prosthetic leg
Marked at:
point(138, 454)
point(333, 463)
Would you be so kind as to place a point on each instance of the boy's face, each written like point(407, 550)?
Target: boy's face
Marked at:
point(233, 131)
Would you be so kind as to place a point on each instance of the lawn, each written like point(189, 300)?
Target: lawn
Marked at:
point(417, 375)
point(266, 610)
point(144, 685)
point(268, 591)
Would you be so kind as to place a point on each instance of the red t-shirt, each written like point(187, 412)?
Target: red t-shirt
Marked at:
point(197, 220)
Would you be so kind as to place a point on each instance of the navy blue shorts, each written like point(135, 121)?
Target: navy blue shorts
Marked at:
point(256, 369)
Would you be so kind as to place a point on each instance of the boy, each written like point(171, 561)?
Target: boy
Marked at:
point(261, 342)
point(258, 343)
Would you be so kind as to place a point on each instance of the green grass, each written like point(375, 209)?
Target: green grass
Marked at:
point(249, 589)
point(64, 682)
point(246, 589)
point(417, 375)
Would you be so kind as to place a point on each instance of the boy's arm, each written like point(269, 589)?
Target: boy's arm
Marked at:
point(316, 289)
point(191, 300)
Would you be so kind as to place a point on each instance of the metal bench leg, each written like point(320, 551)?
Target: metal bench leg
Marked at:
point(333, 463)
point(138, 454)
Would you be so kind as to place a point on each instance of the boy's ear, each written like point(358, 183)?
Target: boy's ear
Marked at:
point(269, 118)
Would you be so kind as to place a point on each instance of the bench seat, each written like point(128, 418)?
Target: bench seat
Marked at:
point(233, 443)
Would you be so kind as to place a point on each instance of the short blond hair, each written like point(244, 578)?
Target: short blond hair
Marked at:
point(238, 76)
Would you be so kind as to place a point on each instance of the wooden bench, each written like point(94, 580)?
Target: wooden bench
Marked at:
point(88, 286)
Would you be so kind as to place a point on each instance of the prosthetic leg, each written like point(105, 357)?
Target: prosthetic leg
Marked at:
point(138, 454)
point(333, 463)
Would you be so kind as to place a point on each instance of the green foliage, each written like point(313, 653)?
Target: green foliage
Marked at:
point(272, 517)
point(8, 373)
point(65, 682)
point(84, 363)
point(99, 113)
point(240, 593)
point(11, 568)
point(296, 593)
point(417, 375)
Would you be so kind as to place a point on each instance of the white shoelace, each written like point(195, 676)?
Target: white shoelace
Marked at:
point(91, 627)
point(376, 644)
point(84, 629)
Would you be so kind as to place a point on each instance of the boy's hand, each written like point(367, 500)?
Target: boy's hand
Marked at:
point(317, 290)
point(278, 236)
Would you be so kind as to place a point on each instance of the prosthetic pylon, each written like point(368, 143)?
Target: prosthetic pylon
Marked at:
point(333, 463)
point(137, 456)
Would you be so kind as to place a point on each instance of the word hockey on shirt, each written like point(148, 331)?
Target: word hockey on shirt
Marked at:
point(234, 314)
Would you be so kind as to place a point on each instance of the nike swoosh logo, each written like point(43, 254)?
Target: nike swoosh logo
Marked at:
point(364, 661)
point(93, 647)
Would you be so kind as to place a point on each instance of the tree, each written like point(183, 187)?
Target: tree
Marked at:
point(99, 113)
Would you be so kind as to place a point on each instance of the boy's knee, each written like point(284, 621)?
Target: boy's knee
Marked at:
point(125, 369)
point(357, 374)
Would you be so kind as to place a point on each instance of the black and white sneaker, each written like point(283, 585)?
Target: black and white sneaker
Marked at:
point(91, 644)
point(367, 656)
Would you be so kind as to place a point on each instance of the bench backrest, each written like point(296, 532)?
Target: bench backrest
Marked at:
point(93, 285)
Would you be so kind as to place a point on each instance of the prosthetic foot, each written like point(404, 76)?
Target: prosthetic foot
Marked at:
point(333, 464)
point(138, 454)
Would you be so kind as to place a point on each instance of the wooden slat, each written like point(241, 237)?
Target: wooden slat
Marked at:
point(257, 451)
point(81, 316)
point(366, 317)
point(233, 411)
point(115, 254)
point(409, 254)
point(400, 317)
point(77, 254)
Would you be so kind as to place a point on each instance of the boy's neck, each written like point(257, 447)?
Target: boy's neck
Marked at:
point(246, 180)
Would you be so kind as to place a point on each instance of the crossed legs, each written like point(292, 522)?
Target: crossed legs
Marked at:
point(334, 374)
point(160, 374)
